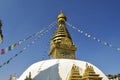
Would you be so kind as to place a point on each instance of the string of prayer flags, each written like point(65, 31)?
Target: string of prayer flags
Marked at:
point(94, 38)
point(27, 46)
point(11, 47)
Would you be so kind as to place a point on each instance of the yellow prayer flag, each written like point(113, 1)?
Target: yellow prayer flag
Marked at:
point(12, 46)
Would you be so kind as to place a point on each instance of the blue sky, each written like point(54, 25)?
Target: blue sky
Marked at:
point(100, 18)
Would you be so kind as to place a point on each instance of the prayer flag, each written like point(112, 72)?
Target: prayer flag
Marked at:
point(73, 27)
point(9, 48)
point(89, 35)
point(12, 46)
point(7, 61)
point(0, 66)
point(18, 43)
point(94, 38)
point(16, 55)
point(86, 34)
point(110, 45)
point(81, 31)
point(21, 51)
point(105, 43)
point(24, 48)
point(98, 40)
point(6, 49)
point(2, 51)
point(28, 37)
point(78, 30)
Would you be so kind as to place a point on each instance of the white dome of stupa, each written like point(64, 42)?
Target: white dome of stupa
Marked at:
point(57, 69)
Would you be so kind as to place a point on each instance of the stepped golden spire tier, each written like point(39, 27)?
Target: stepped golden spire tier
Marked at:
point(62, 46)
point(89, 74)
point(75, 75)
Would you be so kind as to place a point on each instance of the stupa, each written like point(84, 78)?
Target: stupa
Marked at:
point(63, 64)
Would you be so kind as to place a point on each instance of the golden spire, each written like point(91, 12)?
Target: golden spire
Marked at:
point(74, 75)
point(61, 42)
point(61, 30)
point(90, 74)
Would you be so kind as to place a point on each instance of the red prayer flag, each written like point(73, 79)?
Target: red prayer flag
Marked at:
point(18, 43)
point(2, 51)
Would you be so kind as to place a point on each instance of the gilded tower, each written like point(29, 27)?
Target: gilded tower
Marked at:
point(61, 45)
